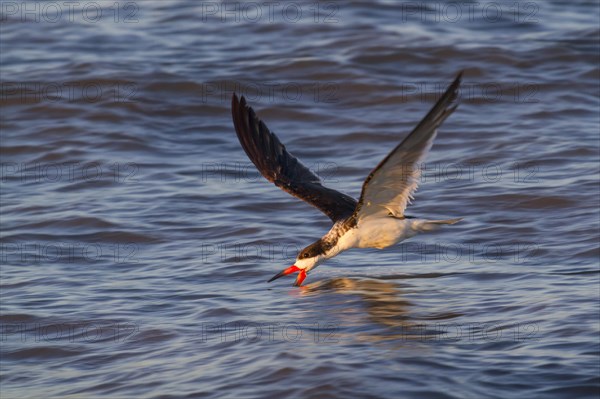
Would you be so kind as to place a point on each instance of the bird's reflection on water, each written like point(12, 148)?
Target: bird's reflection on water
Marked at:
point(388, 314)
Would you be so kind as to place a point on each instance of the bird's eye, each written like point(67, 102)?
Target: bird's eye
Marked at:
point(306, 255)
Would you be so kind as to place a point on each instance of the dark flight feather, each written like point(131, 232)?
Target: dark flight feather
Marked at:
point(280, 167)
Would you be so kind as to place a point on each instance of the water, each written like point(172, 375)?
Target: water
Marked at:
point(137, 237)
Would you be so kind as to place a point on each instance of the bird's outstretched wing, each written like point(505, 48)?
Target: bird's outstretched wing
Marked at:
point(280, 167)
point(389, 187)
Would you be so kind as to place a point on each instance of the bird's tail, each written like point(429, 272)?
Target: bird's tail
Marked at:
point(431, 225)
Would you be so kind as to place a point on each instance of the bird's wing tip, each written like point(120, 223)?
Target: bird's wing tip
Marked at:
point(458, 79)
point(238, 99)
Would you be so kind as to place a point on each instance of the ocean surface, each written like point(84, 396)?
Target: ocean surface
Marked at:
point(137, 237)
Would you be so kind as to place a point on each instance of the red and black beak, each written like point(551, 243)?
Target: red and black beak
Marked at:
point(290, 270)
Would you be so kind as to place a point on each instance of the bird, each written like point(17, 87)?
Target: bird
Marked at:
point(377, 219)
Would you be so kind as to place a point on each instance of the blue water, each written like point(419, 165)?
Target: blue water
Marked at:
point(137, 237)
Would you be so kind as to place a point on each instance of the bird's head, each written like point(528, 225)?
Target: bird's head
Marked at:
point(309, 258)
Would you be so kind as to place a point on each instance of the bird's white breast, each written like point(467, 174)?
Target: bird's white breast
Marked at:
point(377, 233)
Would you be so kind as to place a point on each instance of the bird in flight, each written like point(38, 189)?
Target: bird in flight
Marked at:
point(377, 220)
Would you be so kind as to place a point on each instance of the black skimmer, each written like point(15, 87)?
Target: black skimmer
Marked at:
point(377, 219)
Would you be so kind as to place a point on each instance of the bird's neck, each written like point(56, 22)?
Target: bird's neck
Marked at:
point(338, 239)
